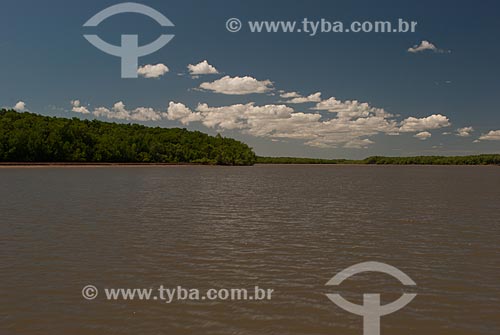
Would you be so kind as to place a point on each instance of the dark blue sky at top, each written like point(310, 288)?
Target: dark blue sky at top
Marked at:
point(45, 61)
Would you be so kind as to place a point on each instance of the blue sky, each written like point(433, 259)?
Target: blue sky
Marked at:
point(407, 103)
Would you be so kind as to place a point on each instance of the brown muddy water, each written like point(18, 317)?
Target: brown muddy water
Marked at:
point(286, 228)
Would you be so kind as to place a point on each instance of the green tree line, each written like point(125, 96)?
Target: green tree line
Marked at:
point(299, 160)
point(487, 159)
point(436, 160)
point(28, 137)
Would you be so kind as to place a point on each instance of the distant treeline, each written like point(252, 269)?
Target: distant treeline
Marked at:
point(299, 160)
point(436, 160)
point(27, 137)
point(492, 159)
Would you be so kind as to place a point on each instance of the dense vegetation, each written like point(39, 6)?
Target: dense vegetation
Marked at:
point(436, 160)
point(423, 160)
point(27, 137)
point(299, 160)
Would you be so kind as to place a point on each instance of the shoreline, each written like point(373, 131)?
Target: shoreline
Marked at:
point(98, 164)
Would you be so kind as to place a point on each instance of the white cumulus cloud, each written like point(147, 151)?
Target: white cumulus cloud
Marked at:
point(78, 108)
point(20, 106)
point(119, 112)
point(315, 97)
point(201, 68)
point(283, 122)
point(350, 109)
point(152, 71)
point(423, 135)
point(465, 131)
point(425, 45)
point(350, 125)
point(413, 124)
point(179, 112)
point(288, 95)
point(238, 85)
point(493, 135)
